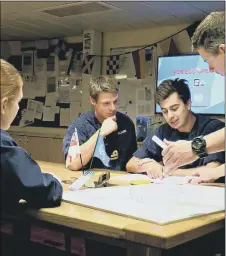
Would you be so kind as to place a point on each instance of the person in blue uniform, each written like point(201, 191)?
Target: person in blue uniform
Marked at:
point(174, 98)
point(117, 129)
point(21, 176)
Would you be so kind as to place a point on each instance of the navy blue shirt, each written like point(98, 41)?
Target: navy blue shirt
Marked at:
point(122, 141)
point(203, 126)
point(21, 178)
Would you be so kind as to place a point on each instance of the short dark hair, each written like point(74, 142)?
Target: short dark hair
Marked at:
point(210, 33)
point(168, 87)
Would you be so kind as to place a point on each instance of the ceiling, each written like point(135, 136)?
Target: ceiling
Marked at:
point(38, 20)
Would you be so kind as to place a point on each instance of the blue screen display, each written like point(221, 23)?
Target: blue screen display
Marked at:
point(207, 88)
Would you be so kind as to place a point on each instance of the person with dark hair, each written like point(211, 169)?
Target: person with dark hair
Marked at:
point(174, 98)
point(209, 41)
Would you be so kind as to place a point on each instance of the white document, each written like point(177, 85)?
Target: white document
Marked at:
point(152, 202)
point(64, 94)
point(49, 113)
point(40, 66)
point(39, 110)
point(65, 116)
point(40, 85)
point(76, 94)
point(51, 99)
point(29, 91)
point(75, 110)
point(27, 117)
point(27, 62)
point(144, 101)
point(15, 47)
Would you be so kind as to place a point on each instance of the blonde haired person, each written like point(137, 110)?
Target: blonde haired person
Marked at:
point(117, 129)
point(209, 41)
point(21, 177)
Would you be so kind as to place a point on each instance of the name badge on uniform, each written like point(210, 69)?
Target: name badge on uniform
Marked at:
point(121, 132)
point(114, 155)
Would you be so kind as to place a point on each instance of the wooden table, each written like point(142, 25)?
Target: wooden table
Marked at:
point(139, 237)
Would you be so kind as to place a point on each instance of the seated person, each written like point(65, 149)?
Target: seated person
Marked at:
point(21, 177)
point(174, 98)
point(116, 128)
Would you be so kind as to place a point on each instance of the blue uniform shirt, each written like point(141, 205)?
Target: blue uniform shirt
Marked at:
point(203, 126)
point(119, 145)
point(21, 178)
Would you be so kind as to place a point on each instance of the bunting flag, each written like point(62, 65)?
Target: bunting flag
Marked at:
point(87, 64)
point(191, 29)
point(113, 64)
point(139, 63)
point(100, 152)
point(173, 50)
point(61, 49)
point(74, 148)
point(77, 61)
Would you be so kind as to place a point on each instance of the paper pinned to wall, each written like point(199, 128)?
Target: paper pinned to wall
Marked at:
point(65, 116)
point(49, 113)
point(29, 91)
point(27, 62)
point(64, 94)
point(75, 110)
point(27, 118)
point(40, 85)
point(15, 47)
point(144, 102)
point(51, 99)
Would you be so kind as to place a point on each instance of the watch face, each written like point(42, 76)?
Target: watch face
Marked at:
point(197, 143)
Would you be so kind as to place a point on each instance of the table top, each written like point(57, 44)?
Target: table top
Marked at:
point(116, 226)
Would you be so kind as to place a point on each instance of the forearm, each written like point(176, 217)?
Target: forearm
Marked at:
point(87, 150)
point(220, 171)
point(215, 141)
point(132, 165)
point(189, 172)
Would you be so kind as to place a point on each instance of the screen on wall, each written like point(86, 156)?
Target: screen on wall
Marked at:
point(207, 88)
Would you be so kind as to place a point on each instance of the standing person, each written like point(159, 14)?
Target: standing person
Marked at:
point(116, 129)
point(21, 177)
point(209, 41)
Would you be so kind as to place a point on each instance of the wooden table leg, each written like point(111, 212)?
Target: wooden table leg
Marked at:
point(141, 250)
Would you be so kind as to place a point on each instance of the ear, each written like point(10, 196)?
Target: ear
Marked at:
point(222, 48)
point(189, 104)
point(92, 101)
point(4, 102)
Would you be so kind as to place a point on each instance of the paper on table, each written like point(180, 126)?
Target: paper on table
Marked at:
point(152, 202)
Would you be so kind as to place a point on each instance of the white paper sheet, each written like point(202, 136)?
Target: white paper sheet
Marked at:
point(64, 94)
point(27, 117)
point(40, 85)
point(152, 202)
point(27, 62)
point(65, 116)
point(75, 110)
point(15, 47)
point(51, 99)
point(49, 113)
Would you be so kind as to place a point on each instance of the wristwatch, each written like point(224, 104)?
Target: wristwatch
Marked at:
point(198, 146)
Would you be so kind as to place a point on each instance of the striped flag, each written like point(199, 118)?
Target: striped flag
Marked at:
point(87, 64)
point(139, 63)
point(74, 148)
